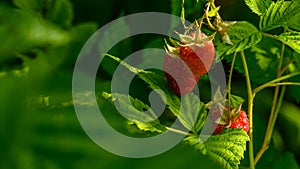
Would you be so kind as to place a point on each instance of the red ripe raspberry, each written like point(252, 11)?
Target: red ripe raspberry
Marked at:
point(240, 121)
point(183, 65)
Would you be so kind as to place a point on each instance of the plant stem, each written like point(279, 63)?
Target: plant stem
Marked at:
point(250, 110)
point(279, 73)
point(273, 82)
point(178, 131)
point(230, 79)
point(271, 125)
point(282, 84)
point(273, 115)
point(269, 35)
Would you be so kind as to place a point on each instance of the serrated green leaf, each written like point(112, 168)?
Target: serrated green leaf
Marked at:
point(226, 148)
point(242, 35)
point(262, 58)
point(294, 23)
point(193, 113)
point(292, 39)
point(195, 141)
point(234, 144)
point(279, 14)
point(258, 6)
point(135, 111)
point(236, 101)
point(155, 81)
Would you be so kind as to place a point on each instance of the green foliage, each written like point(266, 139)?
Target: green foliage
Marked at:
point(226, 148)
point(32, 6)
point(262, 58)
point(155, 81)
point(236, 101)
point(294, 23)
point(30, 31)
point(193, 113)
point(40, 42)
point(58, 12)
point(286, 161)
point(292, 39)
point(279, 14)
point(258, 6)
point(243, 35)
point(135, 110)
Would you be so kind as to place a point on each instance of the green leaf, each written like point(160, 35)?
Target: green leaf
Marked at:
point(294, 23)
point(236, 101)
point(226, 148)
point(262, 58)
point(295, 90)
point(155, 81)
point(193, 113)
point(292, 39)
point(28, 30)
point(258, 6)
point(296, 65)
point(213, 12)
point(286, 161)
point(60, 12)
point(195, 141)
point(135, 111)
point(279, 14)
point(243, 35)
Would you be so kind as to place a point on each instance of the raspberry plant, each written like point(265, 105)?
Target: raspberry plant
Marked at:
point(235, 39)
point(42, 38)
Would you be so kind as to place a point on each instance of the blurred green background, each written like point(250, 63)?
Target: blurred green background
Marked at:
point(40, 42)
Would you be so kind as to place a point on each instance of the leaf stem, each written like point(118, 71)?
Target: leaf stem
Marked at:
point(250, 110)
point(269, 35)
point(230, 79)
point(178, 131)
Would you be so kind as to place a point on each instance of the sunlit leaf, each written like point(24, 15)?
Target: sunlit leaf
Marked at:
point(226, 148)
point(242, 35)
point(291, 39)
point(278, 14)
point(258, 6)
